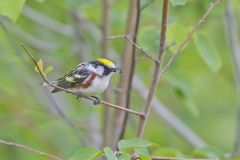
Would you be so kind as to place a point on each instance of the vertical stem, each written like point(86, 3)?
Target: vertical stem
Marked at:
point(128, 69)
point(105, 28)
point(105, 53)
point(157, 71)
point(234, 43)
point(129, 88)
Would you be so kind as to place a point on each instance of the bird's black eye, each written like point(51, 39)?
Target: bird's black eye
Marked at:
point(107, 71)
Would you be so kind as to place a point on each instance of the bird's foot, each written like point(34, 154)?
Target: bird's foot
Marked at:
point(96, 101)
point(79, 98)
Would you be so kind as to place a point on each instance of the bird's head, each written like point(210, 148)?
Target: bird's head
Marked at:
point(109, 66)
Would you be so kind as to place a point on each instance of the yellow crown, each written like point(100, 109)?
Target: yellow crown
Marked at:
point(106, 62)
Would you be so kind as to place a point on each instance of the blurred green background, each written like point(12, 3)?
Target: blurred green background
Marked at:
point(199, 88)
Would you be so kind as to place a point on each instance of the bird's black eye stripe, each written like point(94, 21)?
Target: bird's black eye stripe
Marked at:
point(107, 71)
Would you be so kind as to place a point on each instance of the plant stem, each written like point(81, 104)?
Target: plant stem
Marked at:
point(157, 70)
point(30, 149)
point(189, 36)
point(106, 131)
point(128, 65)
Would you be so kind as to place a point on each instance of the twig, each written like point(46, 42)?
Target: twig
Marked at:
point(189, 36)
point(171, 44)
point(30, 149)
point(142, 49)
point(126, 36)
point(51, 101)
point(68, 91)
point(157, 70)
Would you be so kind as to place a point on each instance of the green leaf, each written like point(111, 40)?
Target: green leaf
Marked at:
point(86, 154)
point(109, 153)
point(143, 153)
point(178, 2)
point(208, 52)
point(130, 144)
point(168, 152)
point(143, 157)
point(11, 8)
point(40, 65)
point(124, 156)
point(48, 69)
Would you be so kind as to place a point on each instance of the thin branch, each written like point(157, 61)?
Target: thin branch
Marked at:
point(50, 156)
point(68, 91)
point(53, 157)
point(51, 101)
point(171, 44)
point(189, 36)
point(126, 36)
point(157, 70)
point(106, 131)
point(142, 49)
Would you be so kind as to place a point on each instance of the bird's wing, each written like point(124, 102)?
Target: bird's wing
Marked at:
point(75, 77)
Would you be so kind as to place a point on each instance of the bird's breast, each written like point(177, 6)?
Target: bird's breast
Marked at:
point(97, 85)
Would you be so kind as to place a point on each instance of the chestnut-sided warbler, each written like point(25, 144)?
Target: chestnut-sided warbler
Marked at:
point(88, 78)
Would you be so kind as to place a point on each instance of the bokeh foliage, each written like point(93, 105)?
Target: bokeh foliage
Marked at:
point(199, 87)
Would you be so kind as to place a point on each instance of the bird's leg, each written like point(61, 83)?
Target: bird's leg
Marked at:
point(96, 101)
point(79, 97)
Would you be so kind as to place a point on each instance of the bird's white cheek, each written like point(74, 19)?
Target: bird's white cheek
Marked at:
point(100, 70)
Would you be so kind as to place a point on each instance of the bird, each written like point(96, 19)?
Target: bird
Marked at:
point(88, 78)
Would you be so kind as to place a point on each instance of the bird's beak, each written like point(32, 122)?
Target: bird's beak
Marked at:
point(117, 70)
